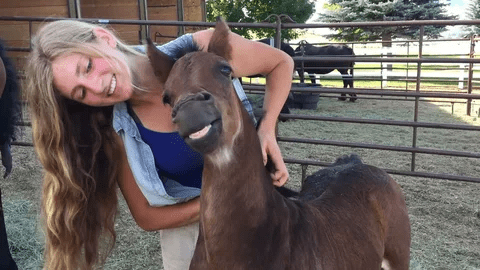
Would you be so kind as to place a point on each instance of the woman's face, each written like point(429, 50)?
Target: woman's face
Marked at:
point(90, 80)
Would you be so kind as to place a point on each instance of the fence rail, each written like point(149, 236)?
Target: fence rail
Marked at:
point(416, 95)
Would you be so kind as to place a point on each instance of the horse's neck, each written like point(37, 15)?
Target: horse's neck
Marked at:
point(243, 180)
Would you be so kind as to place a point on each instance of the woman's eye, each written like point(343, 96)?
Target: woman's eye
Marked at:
point(89, 65)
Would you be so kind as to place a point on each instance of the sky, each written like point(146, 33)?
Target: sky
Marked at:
point(458, 7)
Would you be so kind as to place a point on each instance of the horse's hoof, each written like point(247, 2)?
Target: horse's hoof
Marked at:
point(342, 98)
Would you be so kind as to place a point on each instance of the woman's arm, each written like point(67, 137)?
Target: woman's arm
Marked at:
point(148, 217)
point(250, 58)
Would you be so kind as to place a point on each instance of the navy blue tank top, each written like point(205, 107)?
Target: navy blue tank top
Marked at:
point(173, 157)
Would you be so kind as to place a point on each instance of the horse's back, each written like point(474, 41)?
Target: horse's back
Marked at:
point(347, 175)
point(360, 201)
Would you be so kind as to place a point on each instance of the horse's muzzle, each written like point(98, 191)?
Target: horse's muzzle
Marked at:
point(198, 120)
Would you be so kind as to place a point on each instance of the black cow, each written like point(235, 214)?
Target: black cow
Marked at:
point(324, 67)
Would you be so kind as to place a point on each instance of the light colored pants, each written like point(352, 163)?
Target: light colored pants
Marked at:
point(178, 245)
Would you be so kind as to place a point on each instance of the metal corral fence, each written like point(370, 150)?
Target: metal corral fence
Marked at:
point(416, 95)
point(384, 72)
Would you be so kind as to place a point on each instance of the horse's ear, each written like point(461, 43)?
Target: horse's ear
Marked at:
point(219, 44)
point(161, 63)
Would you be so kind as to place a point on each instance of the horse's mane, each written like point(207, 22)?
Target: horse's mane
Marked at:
point(10, 108)
point(183, 51)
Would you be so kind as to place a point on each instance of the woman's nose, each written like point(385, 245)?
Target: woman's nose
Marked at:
point(94, 85)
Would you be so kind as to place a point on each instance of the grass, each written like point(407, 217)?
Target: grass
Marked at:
point(445, 215)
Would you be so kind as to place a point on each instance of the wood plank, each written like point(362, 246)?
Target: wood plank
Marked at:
point(162, 13)
point(107, 2)
point(18, 43)
point(23, 25)
point(123, 27)
point(130, 38)
point(111, 12)
point(192, 3)
point(31, 3)
point(192, 14)
point(45, 11)
point(14, 32)
point(161, 3)
point(169, 33)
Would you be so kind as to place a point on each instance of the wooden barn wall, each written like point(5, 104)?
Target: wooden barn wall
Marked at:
point(167, 10)
point(16, 34)
point(115, 9)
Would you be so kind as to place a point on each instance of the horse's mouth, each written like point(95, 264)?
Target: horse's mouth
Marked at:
point(204, 132)
point(199, 123)
point(208, 135)
point(201, 133)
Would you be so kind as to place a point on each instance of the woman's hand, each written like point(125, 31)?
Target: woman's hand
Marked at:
point(271, 149)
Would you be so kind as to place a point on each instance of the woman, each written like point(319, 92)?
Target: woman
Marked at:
point(99, 121)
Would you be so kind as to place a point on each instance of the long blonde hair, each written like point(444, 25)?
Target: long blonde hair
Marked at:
point(77, 147)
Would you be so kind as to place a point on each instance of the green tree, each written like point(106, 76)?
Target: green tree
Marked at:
point(473, 13)
point(336, 11)
point(384, 10)
point(407, 10)
point(257, 11)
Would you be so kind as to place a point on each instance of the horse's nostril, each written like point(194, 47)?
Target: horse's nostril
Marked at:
point(166, 99)
point(206, 96)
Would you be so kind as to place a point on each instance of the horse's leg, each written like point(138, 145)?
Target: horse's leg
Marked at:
point(343, 96)
point(301, 75)
point(347, 81)
point(353, 96)
point(312, 77)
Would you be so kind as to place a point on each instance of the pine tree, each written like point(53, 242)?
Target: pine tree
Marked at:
point(473, 13)
point(384, 10)
point(407, 10)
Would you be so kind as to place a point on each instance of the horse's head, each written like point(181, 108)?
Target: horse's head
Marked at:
point(199, 89)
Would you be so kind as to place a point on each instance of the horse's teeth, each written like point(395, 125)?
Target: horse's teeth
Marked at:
point(200, 133)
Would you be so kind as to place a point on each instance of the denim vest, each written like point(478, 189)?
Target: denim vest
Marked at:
point(157, 191)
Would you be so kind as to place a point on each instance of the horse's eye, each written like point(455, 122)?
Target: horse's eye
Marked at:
point(226, 70)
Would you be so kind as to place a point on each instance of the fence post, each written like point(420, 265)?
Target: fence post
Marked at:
point(470, 74)
point(386, 68)
point(278, 33)
point(144, 29)
point(408, 67)
point(417, 99)
point(180, 17)
point(386, 52)
point(461, 77)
